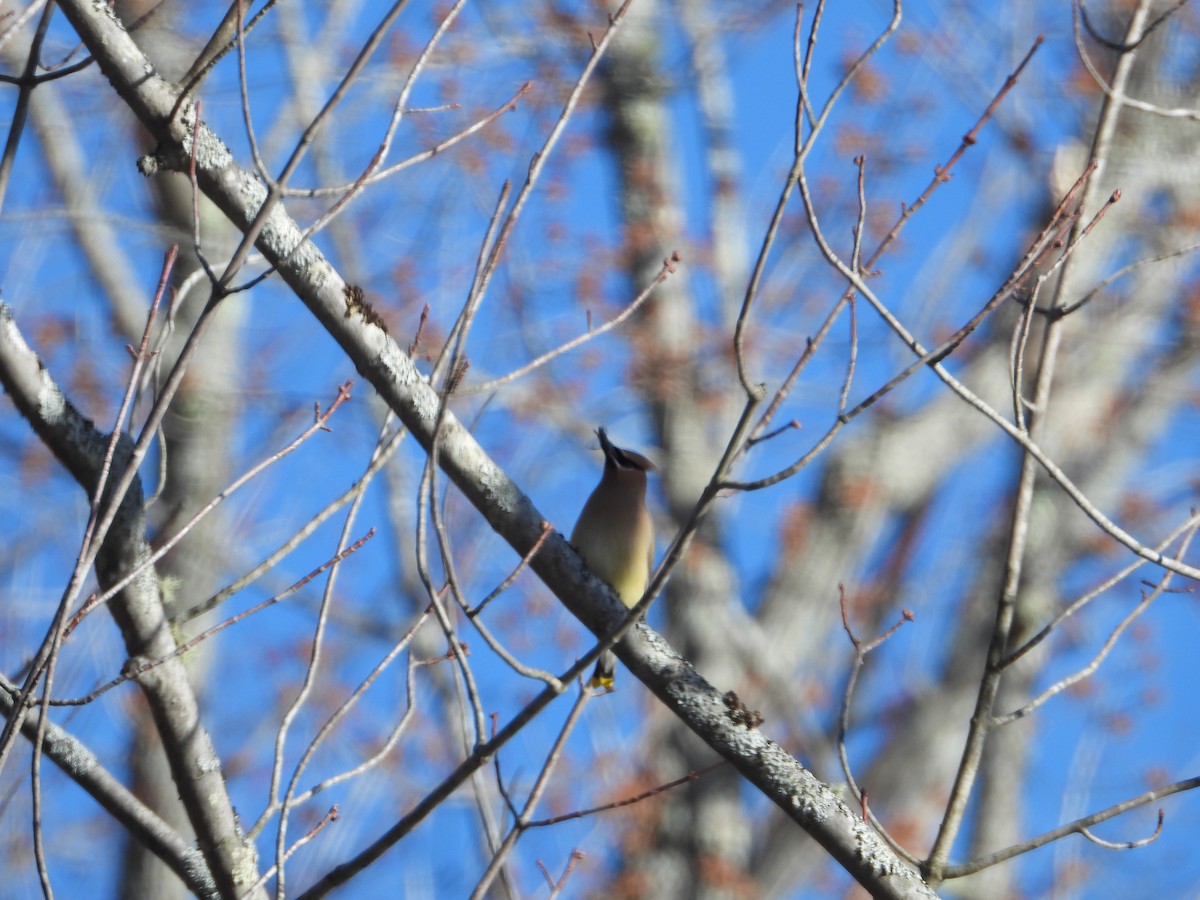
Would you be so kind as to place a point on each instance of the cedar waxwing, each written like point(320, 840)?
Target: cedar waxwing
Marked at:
point(615, 536)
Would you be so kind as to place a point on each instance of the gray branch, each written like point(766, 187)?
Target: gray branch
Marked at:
point(239, 194)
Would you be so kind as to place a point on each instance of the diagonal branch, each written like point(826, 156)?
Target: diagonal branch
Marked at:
point(381, 361)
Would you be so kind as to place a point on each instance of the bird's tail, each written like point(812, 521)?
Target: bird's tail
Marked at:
point(606, 669)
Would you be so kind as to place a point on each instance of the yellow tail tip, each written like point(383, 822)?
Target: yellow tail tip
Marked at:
point(602, 675)
point(602, 683)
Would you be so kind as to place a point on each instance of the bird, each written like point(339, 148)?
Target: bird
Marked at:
point(615, 535)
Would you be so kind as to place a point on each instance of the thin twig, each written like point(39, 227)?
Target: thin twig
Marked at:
point(305, 531)
point(860, 657)
point(134, 670)
point(1033, 458)
point(1076, 827)
point(668, 269)
point(1191, 523)
point(802, 148)
point(329, 818)
point(627, 801)
point(1087, 297)
point(26, 83)
point(374, 177)
point(538, 163)
point(1079, 14)
point(106, 500)
point(1088, 670)
point(540, 784)
point(547, 530)
point(307, 687)
point(320, 423)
